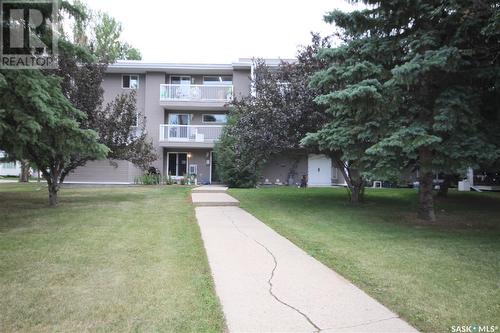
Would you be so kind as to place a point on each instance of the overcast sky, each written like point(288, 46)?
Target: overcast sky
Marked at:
point(218, 30)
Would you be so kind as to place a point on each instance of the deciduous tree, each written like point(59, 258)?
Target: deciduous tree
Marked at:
point(274, 119)
point(39, 124)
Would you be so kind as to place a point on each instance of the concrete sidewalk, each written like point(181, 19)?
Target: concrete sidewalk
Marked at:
point(267, 284)
point(213, 199)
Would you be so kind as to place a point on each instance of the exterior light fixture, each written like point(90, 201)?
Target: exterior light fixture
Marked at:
point(189, 155)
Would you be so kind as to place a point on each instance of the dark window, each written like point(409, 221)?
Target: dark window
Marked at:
point(218, 80)
point(215, 118)
point(180, 80)
point(182, 166)
point(130, 81)
point(172, 164)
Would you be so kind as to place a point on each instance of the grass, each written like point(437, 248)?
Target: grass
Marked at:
point(107, 259)
point(434, 276)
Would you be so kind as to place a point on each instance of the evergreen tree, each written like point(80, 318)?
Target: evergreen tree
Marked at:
point(429, 69)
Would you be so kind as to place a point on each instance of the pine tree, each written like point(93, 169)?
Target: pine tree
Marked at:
point(428, 70)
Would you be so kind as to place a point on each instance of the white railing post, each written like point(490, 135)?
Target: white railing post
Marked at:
point(195, 92)
point(190, 133)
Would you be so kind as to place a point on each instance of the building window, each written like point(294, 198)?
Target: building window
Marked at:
point(215, 118)
point(130, 81)
point(9, 165)
point(182, 80)
point(218, 80)
point(178, 119)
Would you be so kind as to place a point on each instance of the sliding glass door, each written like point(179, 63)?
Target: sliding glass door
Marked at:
point(178, 132)
point(177, 164)
point(182, 86)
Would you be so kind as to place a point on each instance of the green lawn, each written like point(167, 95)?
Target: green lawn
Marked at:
point(432, 276)
point(107, 259)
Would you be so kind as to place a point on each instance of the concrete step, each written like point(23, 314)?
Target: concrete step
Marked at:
point(213, 199)
point(209, 189)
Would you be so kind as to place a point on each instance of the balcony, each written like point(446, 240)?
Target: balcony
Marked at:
point(189, 135)
point(184, 96)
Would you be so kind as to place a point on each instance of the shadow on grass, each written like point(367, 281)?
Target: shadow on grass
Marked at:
point(22, 205)
point(396, 206)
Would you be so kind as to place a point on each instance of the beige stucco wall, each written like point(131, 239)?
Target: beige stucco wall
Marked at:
point(112, 85)
point(278, 167)
point(105, 171)
point(241, 83)
point(154, 112)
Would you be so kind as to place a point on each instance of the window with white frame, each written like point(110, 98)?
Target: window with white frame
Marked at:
point(215, 118)
point(217, 80)
point(130, 81)
point(8, 165)
point(183, 80)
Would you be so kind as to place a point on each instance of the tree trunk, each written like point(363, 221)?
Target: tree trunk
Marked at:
point(24, 177)
point(353, 178)
point(357, 191)
point(426, 199)
point(53, 190)
point(53, 186)
point(445, 185)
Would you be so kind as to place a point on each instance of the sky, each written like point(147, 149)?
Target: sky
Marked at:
point(218, 31)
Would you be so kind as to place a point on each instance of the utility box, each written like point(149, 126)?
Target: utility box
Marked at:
point(464, 186)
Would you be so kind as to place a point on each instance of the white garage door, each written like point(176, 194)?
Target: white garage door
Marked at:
point(319, 170)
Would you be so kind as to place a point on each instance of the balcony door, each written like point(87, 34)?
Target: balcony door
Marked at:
point(177, 129)
point(177, 164)
point(181, 86)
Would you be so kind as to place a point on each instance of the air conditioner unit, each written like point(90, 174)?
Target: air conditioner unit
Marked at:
point(193, 169)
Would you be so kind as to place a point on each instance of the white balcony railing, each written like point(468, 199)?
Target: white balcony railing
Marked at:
point(190, 133)
point(196, 92)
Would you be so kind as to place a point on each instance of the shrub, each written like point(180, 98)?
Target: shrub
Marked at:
point(167, 180)
point(147, 179)
point(237, 166)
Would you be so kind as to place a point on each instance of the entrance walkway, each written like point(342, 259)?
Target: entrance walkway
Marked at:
point(267, 284)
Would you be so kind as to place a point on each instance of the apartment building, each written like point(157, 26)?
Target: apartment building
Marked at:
point(186, 106)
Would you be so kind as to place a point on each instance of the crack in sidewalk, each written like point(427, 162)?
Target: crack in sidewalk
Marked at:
point(361, 324)
point(269, 281)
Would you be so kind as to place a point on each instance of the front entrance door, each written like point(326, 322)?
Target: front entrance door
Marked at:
point(214, 175)
point(319, 170)
point(177, 164)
